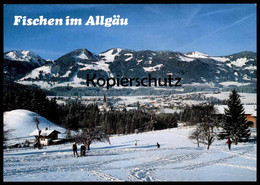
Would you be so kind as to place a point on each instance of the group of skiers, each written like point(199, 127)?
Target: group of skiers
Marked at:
point(83, 148)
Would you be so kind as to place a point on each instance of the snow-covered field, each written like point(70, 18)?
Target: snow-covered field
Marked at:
point(178, 159)
point(244, 97)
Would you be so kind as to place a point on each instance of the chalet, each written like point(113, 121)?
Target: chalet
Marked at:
point(47, 137)
point(251, 118)
point(250, 113)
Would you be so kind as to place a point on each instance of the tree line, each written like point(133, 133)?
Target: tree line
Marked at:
point(75, 115)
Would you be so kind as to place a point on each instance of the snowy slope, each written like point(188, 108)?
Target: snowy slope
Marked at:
point(25, 56)
point(246, 98)
point(196, 54)
point(249, 109)
point(178, 159)
point(110, 55)
point(153, 68)
point(22, 124)
point(36, 72)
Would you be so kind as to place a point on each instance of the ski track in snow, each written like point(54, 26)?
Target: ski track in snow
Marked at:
point(217, 161)
point(244, 156)
point(139, 172)
point(238, 166)
point(145, 172)
point(136, 163)
point(103, 176)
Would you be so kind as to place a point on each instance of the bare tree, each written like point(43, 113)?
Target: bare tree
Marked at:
point(196, 135)
point(206, 130)
point(90, 135)
point(208, 133)
point(37, 122)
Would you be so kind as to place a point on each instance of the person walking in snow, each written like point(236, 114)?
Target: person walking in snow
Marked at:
point(158, 145)
point(74, 147)
point(229, 143)
point(82, 150)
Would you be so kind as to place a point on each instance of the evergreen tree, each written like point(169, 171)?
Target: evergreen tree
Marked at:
point(234, 123)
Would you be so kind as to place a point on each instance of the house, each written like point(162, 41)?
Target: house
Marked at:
point(251, 118)
point(46, 136)
point(250, 113)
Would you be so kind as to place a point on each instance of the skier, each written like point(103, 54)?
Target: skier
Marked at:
point(229, 143)
point(158, 145)
point(135, 143)
point(82, 150)
point(74, 147)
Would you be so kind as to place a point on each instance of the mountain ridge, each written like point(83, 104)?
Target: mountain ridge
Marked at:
point(71, 68)
point(17, 63)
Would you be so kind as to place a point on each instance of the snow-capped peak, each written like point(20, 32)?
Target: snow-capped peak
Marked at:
point(24, 55)
point(83, 54)
point(110, 55)
point(49, 61)
point(196, 54)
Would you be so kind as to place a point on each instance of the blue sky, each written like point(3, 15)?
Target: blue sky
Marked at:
point(215, 29)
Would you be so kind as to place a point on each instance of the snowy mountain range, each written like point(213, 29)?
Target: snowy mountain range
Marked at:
point(195, 68)
point(18, 63)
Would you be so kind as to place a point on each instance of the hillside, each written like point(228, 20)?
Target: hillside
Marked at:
point(22, 124)
point(178, 159)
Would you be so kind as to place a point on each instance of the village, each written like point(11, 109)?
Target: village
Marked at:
point(157, 104)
